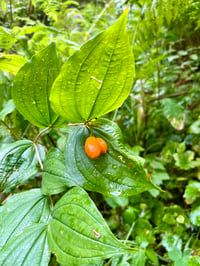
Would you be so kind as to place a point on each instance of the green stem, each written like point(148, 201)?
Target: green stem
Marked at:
point(99, 16)
point(136, 29)
point(115, 115)
point(38, 156)
point(40, 133)
point(129, 233)
point(11, 14)
point(36, 147)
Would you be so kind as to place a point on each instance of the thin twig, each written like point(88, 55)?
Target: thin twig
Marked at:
point(38, 156)
point(129, 232)
point(76, 124)
point(136, 29)
point(11, 131)
point(36, 147)
point(168, 96)
point(11, 14)
point(40, 133)
point(115, 114)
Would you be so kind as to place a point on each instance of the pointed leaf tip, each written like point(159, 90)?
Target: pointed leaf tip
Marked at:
point(96, 79)
point(32, 86)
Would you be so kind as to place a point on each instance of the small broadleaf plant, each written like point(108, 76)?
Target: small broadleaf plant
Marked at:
point(94, 81)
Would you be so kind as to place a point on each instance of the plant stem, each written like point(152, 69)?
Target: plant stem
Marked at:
point(36, 148)
point(136, 29)
point(11, 15)
point(129, 232)
point(168, 96)
point(40, 133)
point(38, 156)
point(115, 115)
point(99, 16)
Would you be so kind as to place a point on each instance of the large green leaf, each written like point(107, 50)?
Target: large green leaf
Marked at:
point(96, 79)
point(18, 163)
point(116, 173)
point(32, 86)
point(78, 234)
point(55, 178)
point(27, 247)
point(22, 210)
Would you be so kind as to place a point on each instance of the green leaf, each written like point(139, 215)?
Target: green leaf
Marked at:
point(195, 127)
point(7, 38)
point(194, 261)
point(55, 178)
point(11, 63)
point(195, 216)
point(174, 113)
point(8, 108)
point(27, 247)
point(18, 163)
point(185, 159)
point(22, 210)
point(96, 79)
point(78, 234)
point(116, 173)
point(32, 86)
point(139, 258)
point(173, 245)
point(171, 242)
point(151, 254)
point(192, 191)
point(115, 202)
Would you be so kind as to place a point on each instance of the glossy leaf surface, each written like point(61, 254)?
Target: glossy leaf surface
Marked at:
point(117, 173)
point(55, 178)
point(32, 86)
point(78, 234)
point(20, 211)
point(18, 163)
point(27, 247)
point(96, 79)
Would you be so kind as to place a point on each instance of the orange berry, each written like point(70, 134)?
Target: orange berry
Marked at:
point(92, 148)
point(103, 145)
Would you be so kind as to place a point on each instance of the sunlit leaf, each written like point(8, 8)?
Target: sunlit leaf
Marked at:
point(96, 79)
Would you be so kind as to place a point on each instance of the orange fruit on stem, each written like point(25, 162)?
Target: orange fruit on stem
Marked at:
point(103, 145)
point(92, 148)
